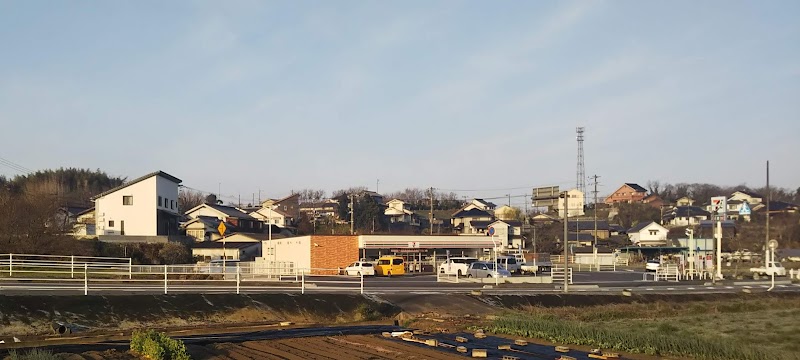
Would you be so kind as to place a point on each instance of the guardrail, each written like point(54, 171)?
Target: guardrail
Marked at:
point(48, 269)
point(558, 274)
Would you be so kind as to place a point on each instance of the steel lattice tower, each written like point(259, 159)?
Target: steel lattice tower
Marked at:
point(581, 183)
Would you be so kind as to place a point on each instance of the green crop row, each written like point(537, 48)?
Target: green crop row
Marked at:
point(158, 346)
point(597, 336)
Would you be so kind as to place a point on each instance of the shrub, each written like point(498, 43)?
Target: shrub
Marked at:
point(33, 354)
point(158, 346)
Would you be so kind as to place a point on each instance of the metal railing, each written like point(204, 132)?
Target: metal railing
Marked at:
point(97, 273)
point(558, 274)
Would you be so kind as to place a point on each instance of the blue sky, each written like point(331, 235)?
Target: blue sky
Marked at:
point(452, 94)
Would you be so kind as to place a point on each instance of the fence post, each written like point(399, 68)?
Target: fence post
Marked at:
point(130, 268)
point(302, 283)
point(10, 265)
point(362, 282)
point(165, 278)
point(72, 266)
point(238, 278)
point(85, 279)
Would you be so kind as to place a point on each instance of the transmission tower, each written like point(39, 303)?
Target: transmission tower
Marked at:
point(581, 184)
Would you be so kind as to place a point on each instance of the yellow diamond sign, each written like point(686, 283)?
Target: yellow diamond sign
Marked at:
point(221, 228)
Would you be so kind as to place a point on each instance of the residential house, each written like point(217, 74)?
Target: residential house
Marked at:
point(442, 220)
point(396, 212)
point(480, 204)
point(543, 218)
point(685, 216)
point(206, 228)
point(84, 224)
point(780, 207)
point(653, 200)
point(146, 206)
point(242, 221)
point(325, 210)
point(575, 202)
point(747, 196)
point(627, 193)
point(509, 233)
point(648, 233)
point(242, 250)
point(462, 220)
point(588, 227)
point(288, 209)
point(684, 201)
point(580, 239)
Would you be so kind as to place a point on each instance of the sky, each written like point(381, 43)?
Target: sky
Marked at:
point(275, 96)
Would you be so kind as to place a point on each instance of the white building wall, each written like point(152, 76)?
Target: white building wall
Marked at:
point(295, 249)
point(575, 203)
point(167, 190)
point(139, 218)
point(644, 236)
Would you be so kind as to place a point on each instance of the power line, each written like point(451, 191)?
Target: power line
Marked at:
point(14, 166)
point(504, 189)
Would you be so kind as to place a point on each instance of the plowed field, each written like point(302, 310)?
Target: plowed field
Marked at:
point(320, 348)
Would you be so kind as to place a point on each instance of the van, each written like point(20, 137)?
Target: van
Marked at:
point(390, 265)
point(510, 263)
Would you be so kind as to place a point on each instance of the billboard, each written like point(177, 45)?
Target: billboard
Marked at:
point(719, 206)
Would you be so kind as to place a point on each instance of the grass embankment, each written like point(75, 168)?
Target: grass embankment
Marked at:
point(764, 328)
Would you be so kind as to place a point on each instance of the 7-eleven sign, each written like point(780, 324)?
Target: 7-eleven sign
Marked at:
point(719, 206)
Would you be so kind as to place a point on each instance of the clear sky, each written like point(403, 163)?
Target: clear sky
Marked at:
point(456, 95)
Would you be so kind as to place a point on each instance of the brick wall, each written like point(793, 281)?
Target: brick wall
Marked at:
point(333, 252)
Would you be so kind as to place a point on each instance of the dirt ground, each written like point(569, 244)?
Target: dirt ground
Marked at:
point(358, 347)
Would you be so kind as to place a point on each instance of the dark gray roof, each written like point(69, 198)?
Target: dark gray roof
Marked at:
point(228, 245)
point(686, 211)
point(134, 181)
point(779, 206)
point(516, 223)
point(480, 224)
point(636, 187)
point(616, 227)
point(486, 203)
point(580, 225)
point(580, 237)
point(213, 223)
point(231, 212)
point(474, 212)
point(708, 224)
point(641, 225)
point(750, 193)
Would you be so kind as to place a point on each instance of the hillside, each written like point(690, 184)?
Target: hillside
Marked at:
point(72, 186)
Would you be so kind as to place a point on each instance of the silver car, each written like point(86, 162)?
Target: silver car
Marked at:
point(485, 269)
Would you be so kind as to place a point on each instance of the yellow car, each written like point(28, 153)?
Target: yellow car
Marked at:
point(390, 265)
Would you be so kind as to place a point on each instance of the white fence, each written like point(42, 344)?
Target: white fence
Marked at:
point(557, 272)
point(95, 273)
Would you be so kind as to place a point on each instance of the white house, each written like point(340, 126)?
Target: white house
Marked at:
point(147, 206)
point(648, 234)
point(480, 204)
point(575, 204)
point(685, 216)
point(273, 216)
point(397, 213)
point(242, 221)
point(509, 232)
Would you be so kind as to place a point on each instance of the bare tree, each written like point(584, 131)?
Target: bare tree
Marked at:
point(188, 199)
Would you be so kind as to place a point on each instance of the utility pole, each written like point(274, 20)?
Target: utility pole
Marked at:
point(594, 245)
point(431, 216)
point(766, 241)
point(566, 254)
point(352, 214)
point(377, 182)
point(509, 199)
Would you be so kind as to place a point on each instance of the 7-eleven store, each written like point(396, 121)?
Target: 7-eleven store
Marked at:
point(418, 251)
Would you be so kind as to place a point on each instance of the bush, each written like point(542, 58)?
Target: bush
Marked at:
point(33, 354)
point(158, 346)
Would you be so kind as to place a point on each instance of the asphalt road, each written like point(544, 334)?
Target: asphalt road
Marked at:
point(583, 282)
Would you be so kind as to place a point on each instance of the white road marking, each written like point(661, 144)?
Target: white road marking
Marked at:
point(746, 287)
point(650, 289)
point(691, 288)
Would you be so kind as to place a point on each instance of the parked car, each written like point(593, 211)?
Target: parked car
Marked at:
point(652, 265)
point(456, 265)
point(771, 268)
point(218, 266)
point(510, 263)
point(390, 265)
point(359, 268)
point(484, 269)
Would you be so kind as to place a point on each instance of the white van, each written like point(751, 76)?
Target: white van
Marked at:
point(510, 263)
point(456, 265)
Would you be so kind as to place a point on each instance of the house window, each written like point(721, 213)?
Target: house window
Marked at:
point(653, 232)
point(127, 200)
point(111, 223)
point(172, 204)
point(159, 201)
point(284, 207)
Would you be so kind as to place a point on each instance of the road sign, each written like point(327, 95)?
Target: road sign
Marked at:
point(221, 228)
point(413, 245)
point(745, 209)
point(773, 244)
point(491, 231)
point(545, 196)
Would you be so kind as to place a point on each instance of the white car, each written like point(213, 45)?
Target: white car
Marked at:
point(485, 269)
point(510, 263)
point(652, 265)
point(771, 268)
point(359, 268)
point(456, 265)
